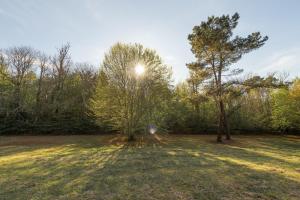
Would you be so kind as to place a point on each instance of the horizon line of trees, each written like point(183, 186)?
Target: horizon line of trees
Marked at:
point(52, 94)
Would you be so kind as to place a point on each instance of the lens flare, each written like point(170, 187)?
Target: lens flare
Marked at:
point(152, 129)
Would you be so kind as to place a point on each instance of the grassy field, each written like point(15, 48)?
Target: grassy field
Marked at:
point(168, 167)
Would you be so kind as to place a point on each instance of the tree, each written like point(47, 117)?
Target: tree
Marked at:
point(295, 96)
point(281, 110)
point(19, 71)
point(215, 50)
point(190, 110)
point(43, 67)
point(197, 92)
point(61, 64)
point(84, 82)
point(133, 86)
point(286, 107)
point(5, 88)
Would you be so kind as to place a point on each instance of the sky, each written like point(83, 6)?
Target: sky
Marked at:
point(93, 26)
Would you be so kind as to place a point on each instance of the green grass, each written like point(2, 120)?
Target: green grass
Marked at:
point(176, 167)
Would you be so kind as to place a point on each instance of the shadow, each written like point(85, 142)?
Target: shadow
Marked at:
point(182, 167)
point(173, 172)
point(52, 171)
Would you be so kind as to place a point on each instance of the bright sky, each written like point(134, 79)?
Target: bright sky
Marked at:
point(92, 26)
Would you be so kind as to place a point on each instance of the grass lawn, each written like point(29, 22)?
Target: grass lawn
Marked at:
point(168, 167)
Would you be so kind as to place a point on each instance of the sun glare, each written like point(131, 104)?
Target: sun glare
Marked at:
point(139, 69)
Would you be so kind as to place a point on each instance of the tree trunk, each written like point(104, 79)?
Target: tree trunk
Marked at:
point(219, 137)
point(220, 128)
point(131, 138)
point(226, 125)
point(17, 102)
point(38, 103)
point(223, 124)
point(228, 135)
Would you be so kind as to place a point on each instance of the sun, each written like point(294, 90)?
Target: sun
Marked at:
point(139, 69)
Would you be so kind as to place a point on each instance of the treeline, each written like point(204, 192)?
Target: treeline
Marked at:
point(41, 93)
point(272, 106)
point(132, 92)
point(52, 94)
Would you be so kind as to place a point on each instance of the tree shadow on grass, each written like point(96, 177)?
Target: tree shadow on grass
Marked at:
point(287, 144)
point(15, 145)
point(46, 172)
point(171, 173)
point(181, 169)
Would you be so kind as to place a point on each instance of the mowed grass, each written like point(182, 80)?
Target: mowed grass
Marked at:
point(165, 167)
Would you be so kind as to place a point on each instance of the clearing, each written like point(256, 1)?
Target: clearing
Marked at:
point(168, 167)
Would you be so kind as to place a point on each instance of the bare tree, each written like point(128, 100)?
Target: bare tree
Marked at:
point(88, 78)
point(61, 64)
point(20, 61)
point(43, 66)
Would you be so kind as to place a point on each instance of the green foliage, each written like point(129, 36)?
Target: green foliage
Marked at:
point(40, 93)
point(281, 109)
point(216, 50)
point(189, 112)
point(214, 47)
point(286, 108)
